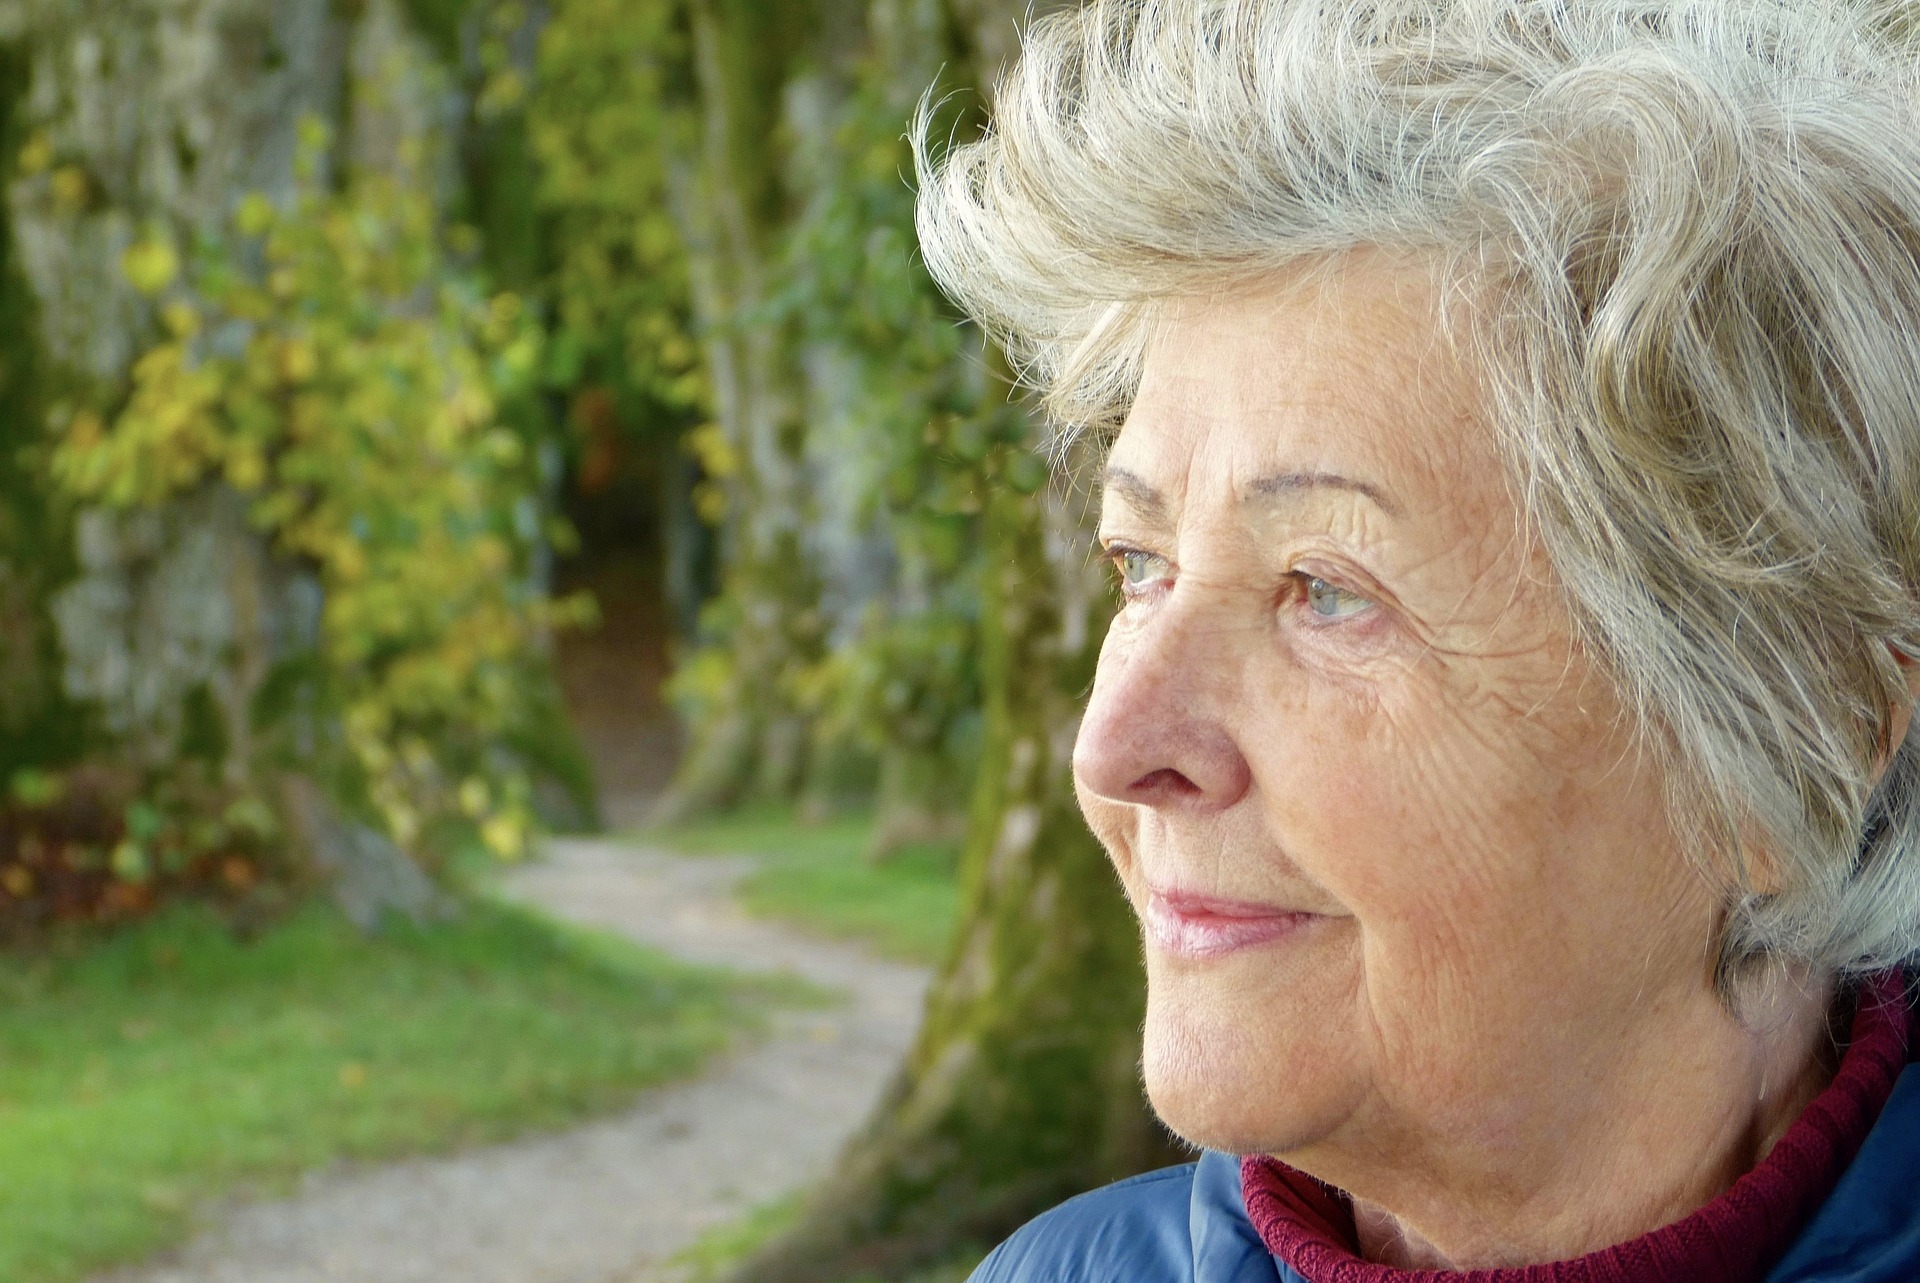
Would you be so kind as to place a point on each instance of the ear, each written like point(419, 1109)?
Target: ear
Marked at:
point(1902, 713)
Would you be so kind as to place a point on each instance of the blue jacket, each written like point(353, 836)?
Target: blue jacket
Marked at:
point(1188, 1224)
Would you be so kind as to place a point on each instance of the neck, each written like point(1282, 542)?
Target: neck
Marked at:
point(1657, 1137)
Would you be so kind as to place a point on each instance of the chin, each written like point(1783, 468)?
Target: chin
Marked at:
point(1243, 1078)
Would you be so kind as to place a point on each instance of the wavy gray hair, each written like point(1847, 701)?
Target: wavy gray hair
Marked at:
point(1680, 239)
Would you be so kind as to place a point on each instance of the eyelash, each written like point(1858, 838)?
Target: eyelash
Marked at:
point(1117, 554)
point(1303, 579)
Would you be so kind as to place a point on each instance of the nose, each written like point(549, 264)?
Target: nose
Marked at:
point(1155, 731)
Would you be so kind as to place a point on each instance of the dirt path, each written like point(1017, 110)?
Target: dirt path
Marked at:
point(609, 1202)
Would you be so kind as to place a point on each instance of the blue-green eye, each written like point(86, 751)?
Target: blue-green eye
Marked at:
point(1330, 601)
point(1140, 570)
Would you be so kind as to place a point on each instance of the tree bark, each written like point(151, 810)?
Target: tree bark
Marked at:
point(727, 203)
point(1022, 1088)
point(1023, 1085)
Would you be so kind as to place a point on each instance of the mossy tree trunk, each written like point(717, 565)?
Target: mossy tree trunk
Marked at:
point(729, 204)
point(143, 124)
point(1022, 1087)
point(39, 727)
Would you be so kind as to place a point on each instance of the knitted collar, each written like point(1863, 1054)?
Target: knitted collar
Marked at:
point(1735, 1238)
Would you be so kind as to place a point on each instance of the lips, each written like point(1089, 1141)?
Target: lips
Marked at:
point(1198, 926)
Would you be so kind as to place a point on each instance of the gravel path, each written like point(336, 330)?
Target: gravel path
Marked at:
point(612, 1201)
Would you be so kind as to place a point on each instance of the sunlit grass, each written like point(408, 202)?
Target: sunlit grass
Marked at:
point(716, 1253)
point(175, 1063)
point(709, 1257)
point(817, 876)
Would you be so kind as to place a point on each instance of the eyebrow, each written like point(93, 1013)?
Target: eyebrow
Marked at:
point(1139, 494)
point(1144, 499)
point(1283, 483)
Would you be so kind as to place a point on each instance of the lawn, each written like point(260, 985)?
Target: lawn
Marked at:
point(816, 876)
point(174, 1063)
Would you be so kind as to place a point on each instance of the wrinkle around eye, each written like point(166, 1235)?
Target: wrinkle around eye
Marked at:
point(1127, 558)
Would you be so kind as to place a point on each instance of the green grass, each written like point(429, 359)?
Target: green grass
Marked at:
point(709, 1257)
point(715, 1253)
point(174, 1063)
point(816, 876)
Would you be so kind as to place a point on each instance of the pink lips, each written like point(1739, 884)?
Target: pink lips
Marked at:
point(1197, 926)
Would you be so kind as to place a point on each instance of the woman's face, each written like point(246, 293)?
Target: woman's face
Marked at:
point(1403, 882)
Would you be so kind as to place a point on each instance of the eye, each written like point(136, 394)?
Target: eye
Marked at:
point(1139, 571)
point(1329, 601)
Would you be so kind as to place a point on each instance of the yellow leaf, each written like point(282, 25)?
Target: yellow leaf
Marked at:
point(150, 266)
point(349, 559)
point(404, 821)
point(504, 836)
point(70, 188)
point(503, 92)
point(710, 503)
point(314, 133)
point(492, 555)
point(475, 796)
point(85, 431)
point(298, 361)
point(716, 454)
point(35, 155)
point(255, 217)
point(181, 320)
point(246, 470)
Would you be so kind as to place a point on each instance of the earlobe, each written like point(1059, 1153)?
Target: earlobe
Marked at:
point(1901, 716)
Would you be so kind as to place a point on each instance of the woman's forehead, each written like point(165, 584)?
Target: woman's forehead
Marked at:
point(1270, 391)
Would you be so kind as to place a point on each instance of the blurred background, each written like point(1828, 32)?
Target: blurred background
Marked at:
point(537, 658)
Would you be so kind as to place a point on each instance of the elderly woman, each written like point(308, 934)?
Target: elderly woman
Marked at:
point(1512, 474)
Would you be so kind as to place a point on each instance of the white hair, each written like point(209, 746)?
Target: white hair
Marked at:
point(1687, 238)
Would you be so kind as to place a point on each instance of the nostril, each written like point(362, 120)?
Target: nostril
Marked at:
point(1166, 780)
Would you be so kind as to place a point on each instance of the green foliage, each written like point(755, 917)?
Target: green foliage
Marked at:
point(326, 361)
point(86, 847)
point(440, 22)
point(175, 1062)
point(934, 429)
point(907, 682)
point(604, 124)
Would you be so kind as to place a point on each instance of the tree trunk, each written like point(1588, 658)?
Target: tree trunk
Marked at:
point(151, 121)
point(746, 737)
point(39, 727)
point(1023, 1086)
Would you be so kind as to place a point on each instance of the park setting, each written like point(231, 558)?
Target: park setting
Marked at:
point(538, 658)
point(959, 641)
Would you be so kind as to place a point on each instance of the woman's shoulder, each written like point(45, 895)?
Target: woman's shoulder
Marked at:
point(1869, 1229)
point(1183, 1224)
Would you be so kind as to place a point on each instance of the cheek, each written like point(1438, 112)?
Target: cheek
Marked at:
point(1495, 852)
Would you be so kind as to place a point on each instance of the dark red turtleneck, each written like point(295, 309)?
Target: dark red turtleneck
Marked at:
point(1735, 1238)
